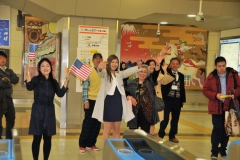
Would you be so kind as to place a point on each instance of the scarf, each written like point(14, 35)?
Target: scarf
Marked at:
point(144, 99)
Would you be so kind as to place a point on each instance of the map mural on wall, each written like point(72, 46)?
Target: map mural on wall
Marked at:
point(189, 44)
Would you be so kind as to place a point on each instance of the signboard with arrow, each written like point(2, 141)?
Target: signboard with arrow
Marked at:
point(4, 33)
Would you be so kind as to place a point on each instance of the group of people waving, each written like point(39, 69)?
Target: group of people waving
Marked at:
point(107, 98)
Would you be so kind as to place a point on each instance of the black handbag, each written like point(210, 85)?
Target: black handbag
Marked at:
point(159, 103)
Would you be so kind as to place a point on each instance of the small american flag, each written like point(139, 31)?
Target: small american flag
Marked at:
point(80, 70)
point(31, 56)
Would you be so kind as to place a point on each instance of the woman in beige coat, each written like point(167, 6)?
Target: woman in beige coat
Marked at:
point(162, 79)
point(111, 105)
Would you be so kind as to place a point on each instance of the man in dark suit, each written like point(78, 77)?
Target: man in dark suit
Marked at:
point(174, 96)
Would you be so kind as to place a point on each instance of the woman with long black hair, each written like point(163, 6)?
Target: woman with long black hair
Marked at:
point(43, 120)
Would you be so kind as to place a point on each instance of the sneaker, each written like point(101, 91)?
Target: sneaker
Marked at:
point(82, 149)
point(94, 148)
point(214, 157)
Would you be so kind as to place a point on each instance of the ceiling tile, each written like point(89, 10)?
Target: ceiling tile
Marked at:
point(99, 8)
point(138, 8)
point(192, 7)
point(231, 9)
point(58, 6)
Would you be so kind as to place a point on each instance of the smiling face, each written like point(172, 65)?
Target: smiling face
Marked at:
point(151, 66)
point(96, 61)
point(45, 68)
point(142, 75)
point(174, 65)
point(114, 65)
point(123, 66)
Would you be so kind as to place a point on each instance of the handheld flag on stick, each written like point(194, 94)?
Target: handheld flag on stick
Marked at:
point(80, 70)
point(66, 70)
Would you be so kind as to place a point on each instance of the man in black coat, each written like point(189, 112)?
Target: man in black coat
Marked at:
point(7, 78)
point(174, 96)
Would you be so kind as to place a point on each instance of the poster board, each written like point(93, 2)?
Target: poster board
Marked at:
point(4, 33)
point(91, 39)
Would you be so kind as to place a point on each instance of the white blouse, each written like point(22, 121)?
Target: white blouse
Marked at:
point(114, 85)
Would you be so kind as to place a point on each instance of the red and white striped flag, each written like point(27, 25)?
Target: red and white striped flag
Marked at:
point(80, 70)
point(31, 56)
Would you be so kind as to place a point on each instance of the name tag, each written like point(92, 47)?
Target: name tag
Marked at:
point(174, 87)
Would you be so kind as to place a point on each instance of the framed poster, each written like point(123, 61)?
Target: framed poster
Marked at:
point(40, 43)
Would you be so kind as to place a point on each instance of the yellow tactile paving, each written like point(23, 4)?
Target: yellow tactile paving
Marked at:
point(195, 126)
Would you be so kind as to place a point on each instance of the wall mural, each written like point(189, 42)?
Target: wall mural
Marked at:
point(189, 44)
point(40, 43)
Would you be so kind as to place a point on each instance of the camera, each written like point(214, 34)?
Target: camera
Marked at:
point(200, 18)
point(158, 33)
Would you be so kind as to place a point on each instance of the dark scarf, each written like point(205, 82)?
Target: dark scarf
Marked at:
point(144, 99)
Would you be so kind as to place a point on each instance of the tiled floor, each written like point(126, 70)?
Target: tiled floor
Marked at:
point(194, 135)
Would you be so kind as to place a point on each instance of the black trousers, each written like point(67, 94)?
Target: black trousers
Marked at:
point(90, 127)
point(10, 118)
point(219, 135)
point(172, 106)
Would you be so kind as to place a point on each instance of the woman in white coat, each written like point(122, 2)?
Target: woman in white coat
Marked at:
point(111, 105)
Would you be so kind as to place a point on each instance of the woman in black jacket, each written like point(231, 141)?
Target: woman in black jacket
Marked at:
point(43, 120)
point(141, 93)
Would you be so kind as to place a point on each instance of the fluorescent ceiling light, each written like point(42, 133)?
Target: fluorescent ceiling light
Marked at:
point(191, 15)
point(163, 23)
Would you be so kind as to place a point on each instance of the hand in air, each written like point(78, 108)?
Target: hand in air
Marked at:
point(158, 59)
point(139, 64)
point(67, 77)
point(165, 50)
point(102, 65)
point(164, 67)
